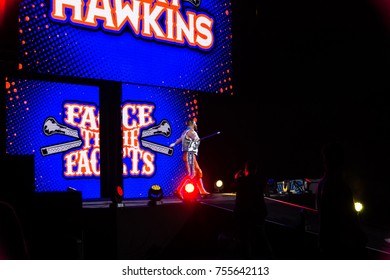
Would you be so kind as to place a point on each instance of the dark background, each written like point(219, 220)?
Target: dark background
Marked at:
point(307, 72)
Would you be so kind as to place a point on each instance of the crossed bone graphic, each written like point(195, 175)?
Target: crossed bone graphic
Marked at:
point(52, 127)
point(163, 129)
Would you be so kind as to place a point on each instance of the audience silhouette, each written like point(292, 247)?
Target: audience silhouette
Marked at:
point(12, 238)
point(250, 212)
point(340, 236)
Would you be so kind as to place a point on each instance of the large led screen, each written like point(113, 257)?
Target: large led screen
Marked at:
point(185, 44)
point(58, 123)
point(152, 119)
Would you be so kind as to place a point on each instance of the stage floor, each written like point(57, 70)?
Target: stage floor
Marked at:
point(293, 211)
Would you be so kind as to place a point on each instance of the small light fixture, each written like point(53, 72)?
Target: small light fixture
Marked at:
point(188, 190)
point(218, 186)
point(155, 194)
point(358, 207)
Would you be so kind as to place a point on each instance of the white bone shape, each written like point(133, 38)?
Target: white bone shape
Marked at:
point(59, 148)
point(157, 147)
point(51, 127)
point(163, 128)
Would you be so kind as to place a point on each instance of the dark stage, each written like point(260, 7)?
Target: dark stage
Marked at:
point(173, 229)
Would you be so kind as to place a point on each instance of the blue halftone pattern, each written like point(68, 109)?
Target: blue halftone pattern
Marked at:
point(29, 103)
point(175, 106)
point(62, 48)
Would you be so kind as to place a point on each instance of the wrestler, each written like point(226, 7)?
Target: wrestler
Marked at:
point(190, 145)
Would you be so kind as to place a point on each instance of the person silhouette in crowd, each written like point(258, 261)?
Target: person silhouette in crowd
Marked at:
point(12, 240)
point(340, 233)
point(250, 212)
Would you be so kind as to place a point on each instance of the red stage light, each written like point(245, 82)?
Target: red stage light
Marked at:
point(188, 190)
point(119, 191)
